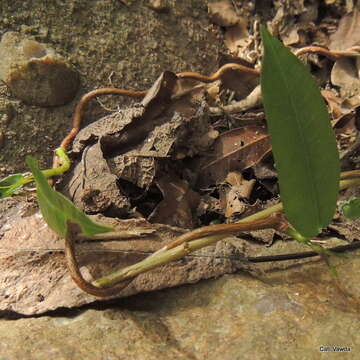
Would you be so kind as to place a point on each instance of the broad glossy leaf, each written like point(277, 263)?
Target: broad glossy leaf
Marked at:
point(57, 209)
point(10, 184)
point(352, 209)
point(304, 145)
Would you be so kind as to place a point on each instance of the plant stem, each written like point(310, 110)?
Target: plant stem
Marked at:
point(175, 253)
point(297, 236)
point(65, 166)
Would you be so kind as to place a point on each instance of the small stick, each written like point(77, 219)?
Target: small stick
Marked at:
point(331, 54)
point(317, 50)
point(275, 221)
point(182, 246)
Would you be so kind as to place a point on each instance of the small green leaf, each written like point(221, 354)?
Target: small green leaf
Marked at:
point(57, 209)
point(10, 184)
point(304, 145)
point(352, 209)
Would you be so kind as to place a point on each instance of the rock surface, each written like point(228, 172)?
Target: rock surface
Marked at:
point(284, 315)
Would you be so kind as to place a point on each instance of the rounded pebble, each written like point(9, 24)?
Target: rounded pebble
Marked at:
point(35, 73)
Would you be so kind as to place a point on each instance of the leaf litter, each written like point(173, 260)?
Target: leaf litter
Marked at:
point(172, 163)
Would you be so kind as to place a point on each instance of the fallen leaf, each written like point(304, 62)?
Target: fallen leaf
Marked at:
point(179, 204)
point(345, 75)
point(222, 13)
point(136, 168)
point(233, 193)
point(348, 32)
point(209, 205)
point(292, 37)
point(34, 278)
point(235, 150)
point(334, 103)
point(237, 37)
point(92, 186)
point(231, 202)
point(349, 230)
point(158, 129)
point(346, 71)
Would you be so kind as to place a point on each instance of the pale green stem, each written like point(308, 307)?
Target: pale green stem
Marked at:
point(297, 236)
point(152, 262)
point(184, 249)
point(65, 166)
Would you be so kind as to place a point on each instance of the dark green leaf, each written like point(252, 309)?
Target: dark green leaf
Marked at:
point(57, 209)
point(10, 184)
point(352, 209)
point(304, 144)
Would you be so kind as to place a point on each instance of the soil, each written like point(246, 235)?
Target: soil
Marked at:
point(100, 40)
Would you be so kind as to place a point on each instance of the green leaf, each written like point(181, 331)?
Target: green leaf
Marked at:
point(10, 184)
point(352, 209)
point(304, 145)
point(57, 209)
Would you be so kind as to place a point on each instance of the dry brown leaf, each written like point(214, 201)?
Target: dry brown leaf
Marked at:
point(231, 202)
point(159, 128)
point(209, 204)
point(345, 74)
point(235, 150)
point(222, 13)
point(179, 203)
point(237, 37)
point(294, 21)
point(237, 181)
point(92, 186)
point(349, 229)
point(231, 197)
point(34, 278)
point(334, 104)
point(348, 32)
point(344, 123)
point(346, 71)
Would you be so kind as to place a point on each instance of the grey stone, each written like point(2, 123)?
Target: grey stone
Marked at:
point(282, 315)
point(35, 73)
